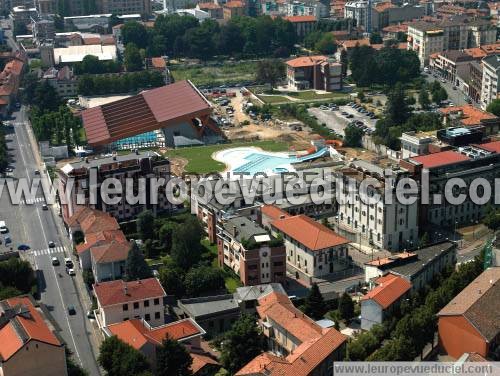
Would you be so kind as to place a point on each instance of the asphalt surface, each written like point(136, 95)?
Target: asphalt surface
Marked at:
point(29, 224)
point(455, 96)
point(336, 121)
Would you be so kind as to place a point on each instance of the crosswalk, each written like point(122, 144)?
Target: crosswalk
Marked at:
point(31, 201)
point(47, 251)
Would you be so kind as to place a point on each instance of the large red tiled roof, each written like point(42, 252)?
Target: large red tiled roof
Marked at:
point(234, 4)
point(32, 325)
point(470, 114)
point(147, 111)
point(110, 252)
point(295, 19)
point(158, 62)
point(491, 146)
point(208, 6)
point(440, 159)
point(136, 333)
point(389, 289)
point(308, 232)
point(306, 61)
point(119, 291)
point(273, 212)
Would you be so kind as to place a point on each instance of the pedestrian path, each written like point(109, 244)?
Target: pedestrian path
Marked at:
point(47, 251)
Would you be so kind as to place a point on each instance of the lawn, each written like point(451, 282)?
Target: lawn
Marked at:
point(271, 99)
point(312, 95)
point(219, 74)
point(232, 284)
point(199, 157)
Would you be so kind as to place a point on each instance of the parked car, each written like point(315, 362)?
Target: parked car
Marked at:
point(71, 310)
point(71, 272)
point(45, 207)
point(55, 261)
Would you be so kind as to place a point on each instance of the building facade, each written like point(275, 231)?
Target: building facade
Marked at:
point(490, 86)
point(314, 72)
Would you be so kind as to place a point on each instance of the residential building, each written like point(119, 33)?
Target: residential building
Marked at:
point(234, 8)
point(108, 260)
point(451, 64)
point(490, 86)
point(85, 177)
point(468, 116)
point(415, 143)
point(248, 296)
point(124, 7)
point(418, 267)
point(160, 64)
point(475, 81)
point(94, 23)
point(314, 72)
point(28, 343)
point(46, 7)
point(62, 80)
point(303, 25)
point(458, 33)
point(361, 11)
point(312, 249)
point(297, 345)
point(387, 13)
point(215, 314)
point(10, 79)
point(215, 11)
point(459, 136)
point(386, 224)
point(22, 15)
point(139, 334)
point(318, 9)
point(119, 301)
point(43, 29)
point(468, 163)
point(469, 323)
point(380, 302)
point(251, 252)
point(178, 111)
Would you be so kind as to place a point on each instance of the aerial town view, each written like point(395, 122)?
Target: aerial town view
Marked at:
point(249, 187)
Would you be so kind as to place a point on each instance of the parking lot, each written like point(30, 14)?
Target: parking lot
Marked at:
point(337, 119)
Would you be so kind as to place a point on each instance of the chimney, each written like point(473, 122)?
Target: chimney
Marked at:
point(282, 216)
point(125, 289)
point(234, 231)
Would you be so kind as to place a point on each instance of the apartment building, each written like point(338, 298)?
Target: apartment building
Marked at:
point(214, 10)
point(251, 252)
point(415, 143)
point(314, 72)
point(108, 260)
point(124, 7)
point(468, 324)
point(451, 64)
point(303, 25)
point(361, 11)
point(467, 163)
point(297, 345)
point(458, 33)
point(312, 249)
point(119, 301)
point(386, 224)
point(490, 85)
point(470, 117)
point(63, 80)
point(137, 166)
point(28, 343)
point(234, 8)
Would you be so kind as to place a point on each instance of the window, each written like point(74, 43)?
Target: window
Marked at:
point(147, 317)
point(146, 303)
point(156, 301)
point(125, 307)
point(136, 305)
point(157, 315)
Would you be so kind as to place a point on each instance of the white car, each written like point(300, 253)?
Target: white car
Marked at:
point(71, 272)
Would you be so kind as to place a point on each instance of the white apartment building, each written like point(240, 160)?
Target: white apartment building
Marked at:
point(386, 224)
point(119, 301)
point(413, 143)
point(360, 11)
point(490, 85)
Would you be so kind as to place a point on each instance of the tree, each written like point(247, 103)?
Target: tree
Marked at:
point(172, 359)
point(18, 274)
point(344, 60)
point(133, 59)
point(203, 279)
point(346, 306)
point(135, 266)
point(165, 235)
point(145, 225)
point(353, 136)
point(423, 98)
point(375, 38)
point(186, 248)
point(172, 280)
point(4, 153)
point(397, 110)
point(270, 71)
point(120, 359)
point(494, 107)
point(314, 305)
point(136, 33)
point(326, 44)
point(241, 344)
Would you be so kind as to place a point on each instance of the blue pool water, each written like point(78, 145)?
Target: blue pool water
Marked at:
point(148, 139)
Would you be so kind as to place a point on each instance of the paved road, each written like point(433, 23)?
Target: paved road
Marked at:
point(456, 96)
point(29, 224)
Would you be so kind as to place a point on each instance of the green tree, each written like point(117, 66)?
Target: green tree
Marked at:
point(172, 280)
point(135, 266)
point(494, 107)
point(344, 60)
point(397, 110)
point(186, 247)
point(353, 136)
point(326, 44)
point(132, 58)
point(375, 38)
point(423, 98)
point(314, 305)
point(346, 306)
point(203, 279)
point(172, 359)
point(18, 274)
point(270, 71)
point(4, 153)
point(145, 225)
point(165, 235)
point(241, 344)
point(134, 32)
point(120, 359)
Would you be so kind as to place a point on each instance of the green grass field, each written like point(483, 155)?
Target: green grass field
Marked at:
point(273, 99)
point(226, 73)
point(300, 96)
point(200, 160)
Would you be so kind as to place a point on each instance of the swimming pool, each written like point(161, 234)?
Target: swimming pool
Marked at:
point(253, 160)
point(143, 140)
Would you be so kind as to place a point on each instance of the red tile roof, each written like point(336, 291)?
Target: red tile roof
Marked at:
point(470, 115)
point(308, 232)
point(273, 212)
point(491, 146)
point(30, 326)
point(234, 4)
point(137, 332)
point(208, 6)
point(110, 252)
point(119, 291)
point(306, 61)
point(296, 19)
point(389, 289)
point(380, 7)
point(158, 62)
point(200, 361)
point(440, 159)
point(147, 111)
point(99, 238)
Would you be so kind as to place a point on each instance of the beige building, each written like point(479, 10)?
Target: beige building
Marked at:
point(119, 301)
point(28, 345)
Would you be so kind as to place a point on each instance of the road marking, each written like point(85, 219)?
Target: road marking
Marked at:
point(31, 201)
point(48, 251)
